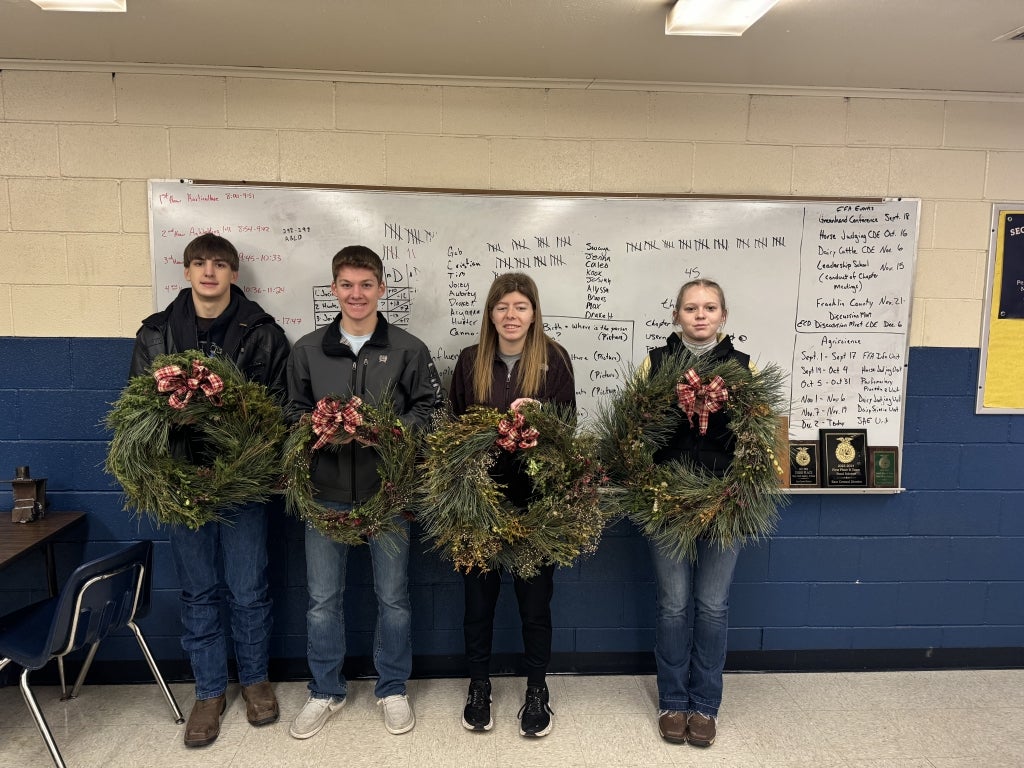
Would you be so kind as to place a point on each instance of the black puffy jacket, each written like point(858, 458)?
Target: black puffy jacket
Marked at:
point(254, 342)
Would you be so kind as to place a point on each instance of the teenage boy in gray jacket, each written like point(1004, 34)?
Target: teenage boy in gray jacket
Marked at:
point(358, 353)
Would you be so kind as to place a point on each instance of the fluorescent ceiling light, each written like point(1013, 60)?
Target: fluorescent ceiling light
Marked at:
point(108, 6)
point(729, 18)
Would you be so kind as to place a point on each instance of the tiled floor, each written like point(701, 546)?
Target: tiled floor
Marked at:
point(948, 719)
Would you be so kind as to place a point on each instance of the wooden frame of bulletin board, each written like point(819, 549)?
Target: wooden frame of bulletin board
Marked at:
point(1001, 367)
point(820, 287)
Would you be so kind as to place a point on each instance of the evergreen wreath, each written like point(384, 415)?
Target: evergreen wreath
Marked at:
point(234, 424)
point(676, 503)
point(375, 428)
point(468, 516)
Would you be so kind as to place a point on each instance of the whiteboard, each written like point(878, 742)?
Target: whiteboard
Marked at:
point(820, 288)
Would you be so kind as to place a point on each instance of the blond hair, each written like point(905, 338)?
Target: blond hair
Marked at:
point(700, 283)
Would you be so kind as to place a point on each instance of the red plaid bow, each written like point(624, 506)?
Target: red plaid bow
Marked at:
point(330, 414)
point(701, 399)
point(515, 434)
point(172, 379)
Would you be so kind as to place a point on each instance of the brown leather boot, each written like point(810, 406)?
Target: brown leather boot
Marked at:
point(672, 726)
point(260, 703)
point(204, 722)
point(700, 730)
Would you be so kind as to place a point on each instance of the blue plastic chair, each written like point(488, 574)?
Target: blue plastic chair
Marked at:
point(101, 596)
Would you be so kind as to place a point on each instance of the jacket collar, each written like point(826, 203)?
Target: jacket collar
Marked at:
point(336, 345)
point(719, 352)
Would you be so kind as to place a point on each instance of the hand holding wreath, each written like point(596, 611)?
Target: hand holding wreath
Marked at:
point(231, 427)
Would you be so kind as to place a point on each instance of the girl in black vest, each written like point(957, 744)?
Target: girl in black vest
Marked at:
point(691, 656)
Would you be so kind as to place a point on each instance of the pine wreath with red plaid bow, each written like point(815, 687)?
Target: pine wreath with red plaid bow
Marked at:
point(332, 422)
point(677, 503)
point(193, 438)
point(468, 517)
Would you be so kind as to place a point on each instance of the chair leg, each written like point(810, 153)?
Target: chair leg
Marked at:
point(178, 717)
point(81, 674)
point(37, 715)
point(63, 685)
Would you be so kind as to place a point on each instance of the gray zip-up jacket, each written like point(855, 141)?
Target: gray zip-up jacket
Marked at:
point(394, 361)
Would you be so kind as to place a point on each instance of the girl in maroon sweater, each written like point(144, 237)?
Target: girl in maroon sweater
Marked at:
point(514, 362)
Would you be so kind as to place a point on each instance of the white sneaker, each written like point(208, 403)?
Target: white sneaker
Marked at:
point(398, 716)
point(314, 716)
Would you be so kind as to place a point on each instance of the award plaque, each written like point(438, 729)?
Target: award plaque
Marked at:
point(844, 458)
point(883, 466)
point(804, 463)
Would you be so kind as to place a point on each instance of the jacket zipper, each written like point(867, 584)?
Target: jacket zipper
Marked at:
point(352, 465)
point(508, 385)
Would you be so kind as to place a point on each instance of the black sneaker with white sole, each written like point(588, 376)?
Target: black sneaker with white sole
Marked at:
point(535, 715)
point(477, 714)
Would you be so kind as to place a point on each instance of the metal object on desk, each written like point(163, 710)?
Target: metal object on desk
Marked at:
point(29, 496)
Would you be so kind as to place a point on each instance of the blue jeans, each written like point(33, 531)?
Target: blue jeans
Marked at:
point(239, 545)
point(691, 657)
point(325, 620)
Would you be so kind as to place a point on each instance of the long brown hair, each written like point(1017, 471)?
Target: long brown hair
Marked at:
point(534, 363)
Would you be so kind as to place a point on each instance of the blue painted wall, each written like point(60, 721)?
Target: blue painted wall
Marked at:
point(939, 566)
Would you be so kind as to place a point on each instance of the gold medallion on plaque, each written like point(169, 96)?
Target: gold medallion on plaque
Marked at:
point(844, 451)
point(802, 457)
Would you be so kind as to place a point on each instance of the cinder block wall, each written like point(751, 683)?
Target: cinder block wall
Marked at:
point(934, 568)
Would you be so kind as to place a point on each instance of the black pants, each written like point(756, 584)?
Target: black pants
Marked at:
point(534, 597)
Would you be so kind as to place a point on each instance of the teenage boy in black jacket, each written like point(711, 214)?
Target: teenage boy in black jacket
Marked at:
point(213, 315)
